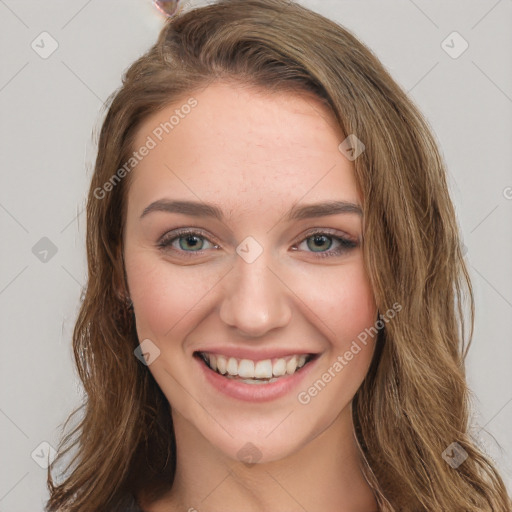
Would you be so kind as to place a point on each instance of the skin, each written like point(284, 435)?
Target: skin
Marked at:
point(254, 155)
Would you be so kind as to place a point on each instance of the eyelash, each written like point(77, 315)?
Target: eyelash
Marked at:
point(166, 240)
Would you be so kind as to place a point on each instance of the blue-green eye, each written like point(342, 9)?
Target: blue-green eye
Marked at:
point(186, 242)
point(321, 242)
point(195, 243)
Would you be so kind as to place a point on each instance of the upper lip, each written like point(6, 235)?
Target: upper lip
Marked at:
point(255, 354)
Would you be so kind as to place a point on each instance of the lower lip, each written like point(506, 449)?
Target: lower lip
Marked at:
point(255, 392)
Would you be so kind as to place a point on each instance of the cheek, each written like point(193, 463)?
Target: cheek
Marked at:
point(342, 299)
point(346, 305)
point(164, 295)
point(358, 310)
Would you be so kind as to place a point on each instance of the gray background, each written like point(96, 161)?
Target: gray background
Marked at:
point(51, 107)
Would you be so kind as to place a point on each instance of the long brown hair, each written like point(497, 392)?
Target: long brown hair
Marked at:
point(414, 401)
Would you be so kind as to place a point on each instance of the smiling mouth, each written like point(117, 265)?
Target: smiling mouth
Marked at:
point(249, 371)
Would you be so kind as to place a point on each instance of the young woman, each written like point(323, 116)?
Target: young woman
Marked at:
point(274, 314)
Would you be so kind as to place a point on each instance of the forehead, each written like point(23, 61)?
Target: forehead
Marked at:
point(242, 145)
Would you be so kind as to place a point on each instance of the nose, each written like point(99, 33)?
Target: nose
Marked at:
point(256, 300)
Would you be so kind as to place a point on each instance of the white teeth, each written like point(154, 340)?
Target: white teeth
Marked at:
point(263, 369)
point(221, 364)
point(248, 369)
point(291, 365)
point(232, 366)
point(279, 367)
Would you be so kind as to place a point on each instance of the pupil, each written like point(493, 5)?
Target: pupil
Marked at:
point(193, 244)
point(319, 240)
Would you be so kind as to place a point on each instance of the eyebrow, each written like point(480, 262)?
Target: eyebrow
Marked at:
point(198, 209)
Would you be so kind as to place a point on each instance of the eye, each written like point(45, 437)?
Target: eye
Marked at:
point(185, 241)
point(321, 242)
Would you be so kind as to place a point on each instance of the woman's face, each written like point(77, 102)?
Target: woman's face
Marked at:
point(253, 291)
